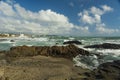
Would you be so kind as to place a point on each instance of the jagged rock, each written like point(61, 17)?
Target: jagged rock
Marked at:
point(106, 71)
point(73, 42)
point(105, 46)
point(68, 51)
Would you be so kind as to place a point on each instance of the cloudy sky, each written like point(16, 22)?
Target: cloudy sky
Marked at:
point(61, 17)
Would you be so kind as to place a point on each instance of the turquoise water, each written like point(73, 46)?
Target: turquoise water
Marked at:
point(5, 46)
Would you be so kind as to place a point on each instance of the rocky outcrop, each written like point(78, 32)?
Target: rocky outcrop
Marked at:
point(41, 68)
point(73, 42)
point(68, 51)
point(105, 46)
point(106, 71)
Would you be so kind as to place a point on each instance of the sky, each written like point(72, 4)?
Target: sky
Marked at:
point(61, 17)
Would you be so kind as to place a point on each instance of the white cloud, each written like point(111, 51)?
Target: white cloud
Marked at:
point(6, 9)
point(106, 8)
point(14, 18)
point(94, 10)
point(93, 16)
point(87, 19)
point(103, 30)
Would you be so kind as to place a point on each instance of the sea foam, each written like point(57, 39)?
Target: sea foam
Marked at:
point(97, 57)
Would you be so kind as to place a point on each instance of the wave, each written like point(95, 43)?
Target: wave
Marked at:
point(89, 62)
point(97, 57)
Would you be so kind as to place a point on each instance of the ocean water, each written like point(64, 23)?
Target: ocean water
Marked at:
point(91, 62)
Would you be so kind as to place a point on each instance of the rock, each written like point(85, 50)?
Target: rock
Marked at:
point(73, 42)
point(68, 51)
point(42, 68)
point(105, 46)
point(21, 51)
point(12, 40)
point(106, 71)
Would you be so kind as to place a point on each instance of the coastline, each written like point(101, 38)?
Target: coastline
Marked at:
point(51, 63)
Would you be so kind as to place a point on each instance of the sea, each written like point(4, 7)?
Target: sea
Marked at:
point(92, 61)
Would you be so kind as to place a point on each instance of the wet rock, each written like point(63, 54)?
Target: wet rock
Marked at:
point(12, 40)
point(107, 71)
point(105, 46)
point(73, 42)
point(68, 51)
point(87, 74)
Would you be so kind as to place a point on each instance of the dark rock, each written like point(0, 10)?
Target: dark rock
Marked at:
point(68, 51)
point(107, 71)
point(3, 40)
point(73, 42)
point(105, 46)
point(99, 77)
point(87, 74)
point(12, 41)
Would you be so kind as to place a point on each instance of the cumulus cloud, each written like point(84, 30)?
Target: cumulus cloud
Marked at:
point(103, 30)
point(88, 19)
point(107, 8)
point(92, 17)
point(14, 18)
point(6, 9)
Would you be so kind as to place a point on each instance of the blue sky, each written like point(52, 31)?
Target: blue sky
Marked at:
point(61, 17)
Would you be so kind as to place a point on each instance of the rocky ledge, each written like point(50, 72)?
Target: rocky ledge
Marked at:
point(49, 66)
point(41, 63)
point(68, 51)
point(105, 46)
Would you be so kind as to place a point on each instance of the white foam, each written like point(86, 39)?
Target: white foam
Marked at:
point(41, 39)
point(89, 62)
point(114, 52)
point(78, 62)
point(92, 61)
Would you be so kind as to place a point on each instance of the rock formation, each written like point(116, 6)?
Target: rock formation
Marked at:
point(73, 42)
point(68, 51)
point(106, 71)
point(105, 46)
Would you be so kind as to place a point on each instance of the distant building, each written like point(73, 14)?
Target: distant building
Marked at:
point(13, 35)
point(23, 36)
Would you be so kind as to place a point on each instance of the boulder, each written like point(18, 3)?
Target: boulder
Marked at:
point(12, 40)
point(68, 51)
point(105, 46)
point(72, 42)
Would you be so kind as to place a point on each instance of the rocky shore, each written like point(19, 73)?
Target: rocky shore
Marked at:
point(51, 63)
